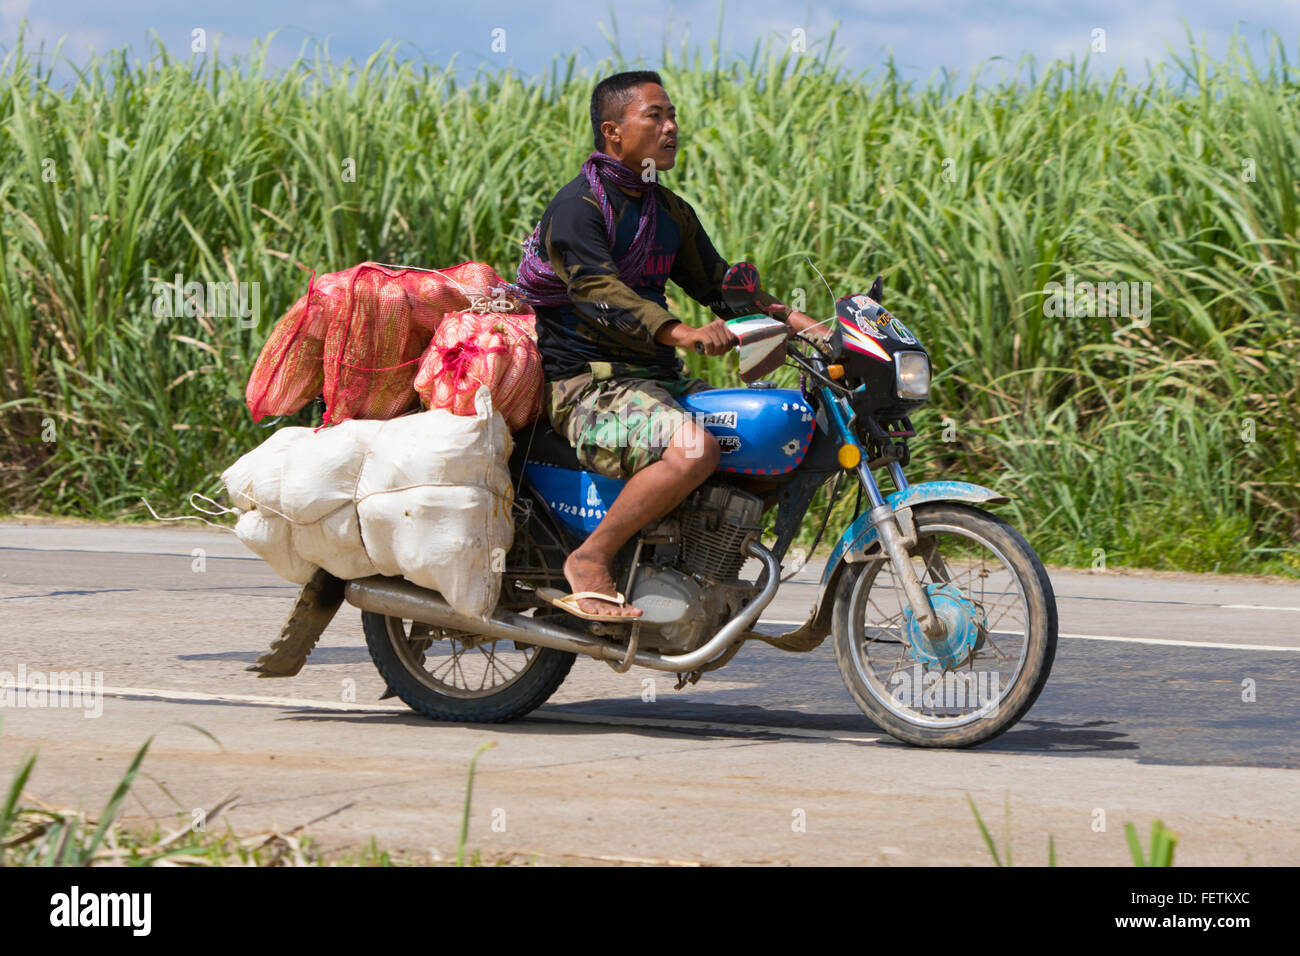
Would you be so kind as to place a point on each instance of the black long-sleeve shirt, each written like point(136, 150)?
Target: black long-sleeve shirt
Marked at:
point(608, 321)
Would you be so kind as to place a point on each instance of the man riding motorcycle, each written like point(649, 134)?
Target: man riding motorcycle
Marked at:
point(594, 272)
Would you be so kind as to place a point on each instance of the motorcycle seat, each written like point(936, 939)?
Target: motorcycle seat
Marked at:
point(544, 445)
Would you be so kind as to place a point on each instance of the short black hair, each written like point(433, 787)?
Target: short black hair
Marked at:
point(611, 96)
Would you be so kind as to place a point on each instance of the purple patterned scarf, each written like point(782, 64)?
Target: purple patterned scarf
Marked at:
point(537, 282)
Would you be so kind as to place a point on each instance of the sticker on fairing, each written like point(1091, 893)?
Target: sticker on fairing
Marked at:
point(901, 333)
point(869, 312)
point(871, 329)
point(855, 339)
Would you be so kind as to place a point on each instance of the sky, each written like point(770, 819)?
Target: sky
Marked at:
point(923, 35)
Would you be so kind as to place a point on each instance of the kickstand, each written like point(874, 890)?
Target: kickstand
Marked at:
point(683, 679)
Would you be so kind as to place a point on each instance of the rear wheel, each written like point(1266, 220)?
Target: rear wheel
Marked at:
point(459, 676)
point(992, 591)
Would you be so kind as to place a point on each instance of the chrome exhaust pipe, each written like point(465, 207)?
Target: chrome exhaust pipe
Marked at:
point(397, 597)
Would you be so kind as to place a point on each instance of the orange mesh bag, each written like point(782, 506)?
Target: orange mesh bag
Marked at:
point(389, 316)
point(356, 337)
point(435, 293)
point(290, 369)
point(498, 350)
point(369, 348)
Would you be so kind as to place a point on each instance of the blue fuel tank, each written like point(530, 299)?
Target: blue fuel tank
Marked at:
point(761, 431)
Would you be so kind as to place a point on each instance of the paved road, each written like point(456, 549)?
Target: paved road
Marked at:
point(767, 760)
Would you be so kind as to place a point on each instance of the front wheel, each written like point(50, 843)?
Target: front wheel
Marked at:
point(972, 683)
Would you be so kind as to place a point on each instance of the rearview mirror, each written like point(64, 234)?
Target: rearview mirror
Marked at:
point(739, 288)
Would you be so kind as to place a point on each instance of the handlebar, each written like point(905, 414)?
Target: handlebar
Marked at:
point(699, 346)
point(814, 364)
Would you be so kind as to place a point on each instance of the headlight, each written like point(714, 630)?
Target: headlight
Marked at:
point(912, 374)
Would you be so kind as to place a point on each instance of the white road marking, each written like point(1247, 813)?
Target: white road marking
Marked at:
point(302, 703)
point(1260, 607)
point(1131, 640)
point(1174, 643)
point(187, 696)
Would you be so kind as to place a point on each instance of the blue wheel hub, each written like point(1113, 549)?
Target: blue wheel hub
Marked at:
point(964, 623)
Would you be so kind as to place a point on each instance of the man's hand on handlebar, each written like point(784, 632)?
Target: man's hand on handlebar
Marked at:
point(803, 324)
point(712, 339)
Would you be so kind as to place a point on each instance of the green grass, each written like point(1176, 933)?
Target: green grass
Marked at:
point(34, 834)
point(1161, 851)
point(469, 792)
point(1131, 443)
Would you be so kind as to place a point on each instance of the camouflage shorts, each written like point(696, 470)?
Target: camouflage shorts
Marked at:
point(616, 418)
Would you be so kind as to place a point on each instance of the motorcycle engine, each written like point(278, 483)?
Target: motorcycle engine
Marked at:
point(715, 522)
point(682, 605)
point(677, 613)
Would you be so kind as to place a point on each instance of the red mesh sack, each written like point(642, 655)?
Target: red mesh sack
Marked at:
point(369, 348)
point(435, 293)
point(356, 337)
point(498, 350)
point(290, 369)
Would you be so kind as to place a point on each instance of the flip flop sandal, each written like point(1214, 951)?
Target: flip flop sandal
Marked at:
point(569, 604)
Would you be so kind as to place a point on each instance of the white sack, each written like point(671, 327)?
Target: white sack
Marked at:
point(334, 543)
point(301, 475)
point(426, 496)
point(267, 536)
point(435, 450)
point(451, 552)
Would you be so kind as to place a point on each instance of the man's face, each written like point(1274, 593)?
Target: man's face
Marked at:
point(648, 130)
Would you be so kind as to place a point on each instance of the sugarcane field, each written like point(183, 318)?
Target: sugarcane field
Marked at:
point(702, 436)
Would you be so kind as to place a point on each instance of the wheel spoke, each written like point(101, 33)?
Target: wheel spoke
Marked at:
point(888, 621)
point(963, 559)
point(999, 618)
point(495, 666)
point(444, 664)
point(997, 650)
point(902, 659)
point(489, 656)
point(453, 669)
point(458, 669)
point(1009, 600)
point(934, 563)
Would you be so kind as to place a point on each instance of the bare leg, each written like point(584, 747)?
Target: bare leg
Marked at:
point(650, 494)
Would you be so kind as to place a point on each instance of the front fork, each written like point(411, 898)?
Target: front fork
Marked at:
point(896, 529)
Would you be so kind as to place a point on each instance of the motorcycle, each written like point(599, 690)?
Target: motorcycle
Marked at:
point(942, 617)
